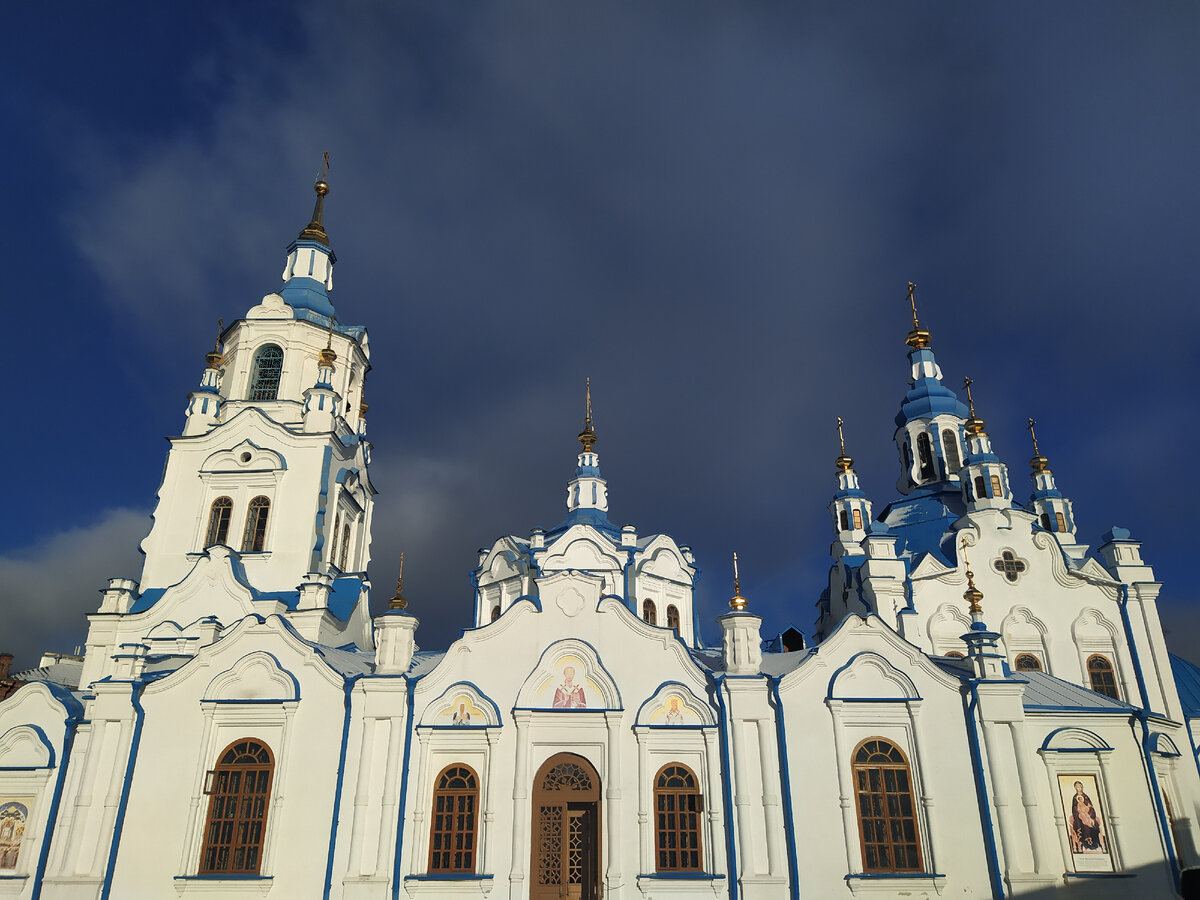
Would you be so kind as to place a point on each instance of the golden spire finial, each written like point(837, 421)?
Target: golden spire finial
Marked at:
point(587, 437)
point(972, 594)
point(327, 355)
point(738, 602)
point(398, 601)
point(214, 357)
point(1039, 463)
point(974, 424)
point(315, 230)
point(843, 462)
point(918, 338)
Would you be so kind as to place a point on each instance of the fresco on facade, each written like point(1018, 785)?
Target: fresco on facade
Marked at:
point(462, 711)
point(569, 687)
point(13, 816)
point(1087, 834)
point(675, 711)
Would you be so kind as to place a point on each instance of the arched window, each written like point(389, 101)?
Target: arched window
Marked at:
point(256, 525)
point(997, 491)
point(1104, 680)
point(1046, 522)
point(345, 545)
point(980, 489)
point(239, 790)
point(673, 617)
point(495, 612)
point(955, 654)
point(845, 520)
point(649, 613)
point(1062, 524)
point(887, 818)
point(857, 513)
point(452, 834)
point(264, 376)
point(950, 445)
point(1027, 662)
point(677, 809)
point(907, 457)
point(925, 455)
point(218, 521)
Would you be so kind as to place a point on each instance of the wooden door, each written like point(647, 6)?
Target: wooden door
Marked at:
point(565, 861)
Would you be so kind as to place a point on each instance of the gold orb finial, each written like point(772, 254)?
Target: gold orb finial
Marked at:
point(587, 437)
point(919, 337)
point(972, 594)
point(214, 356)
point(974, 424)
point(398, 601)
point(1039, 463)
point(737, 603)
point(843, 462)
point(327, 355)
point(315, 230)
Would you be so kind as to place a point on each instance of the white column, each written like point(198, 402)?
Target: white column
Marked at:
point(488, 817)
point(743, 802)
point(1001, 792)
point(612, 812)
point(845, 787)
point(520, 796)
point(362, 797)
point(385, 846)
point(1033, 817)
point(772, 815)
point(645, 831)
point(715, 858)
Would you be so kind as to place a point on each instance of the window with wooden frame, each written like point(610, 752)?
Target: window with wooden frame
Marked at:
point(345, 544)
point(858, 519)
point(495, 613)
point(673, 617)
point(219, 515)
point(239, 790)
point(1027, 662)
point(956, 654)
point(452, 834)
point(1103, 678)
point(844, 520)
point(980, 488)
point(997, 491)
point(1060, 521)
point(887, 818)
point(649, 612)
point(266, 371)
point(925, 455)
point(255, 537)
point(678, 809)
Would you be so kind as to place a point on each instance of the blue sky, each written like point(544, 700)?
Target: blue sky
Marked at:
point(711, 210)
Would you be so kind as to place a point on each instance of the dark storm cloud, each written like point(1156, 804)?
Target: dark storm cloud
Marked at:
point(710, 210)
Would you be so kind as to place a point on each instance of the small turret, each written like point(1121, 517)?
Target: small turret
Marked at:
point(395, 633)
point(851, 510)
point(982, 644)
point(741, 639)
point(321, 400)
point(587, 492)
point(984, 477)
point(929, 424)
point(204, 403)
point(308, 272)
point(1054, 511)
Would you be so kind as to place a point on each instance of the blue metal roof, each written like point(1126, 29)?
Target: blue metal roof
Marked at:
point(1187, 681)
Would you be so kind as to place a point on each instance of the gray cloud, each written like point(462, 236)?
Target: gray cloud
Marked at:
point(712, 211)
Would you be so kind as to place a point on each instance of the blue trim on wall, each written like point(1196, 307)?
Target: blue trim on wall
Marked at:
point(404, 779)
point(119, 823)
point(69, 727)
point(727, 786)
point(337, 793)
point(785, 777)
point(981, 791)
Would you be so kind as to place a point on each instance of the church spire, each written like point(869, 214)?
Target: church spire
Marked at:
point(587, 492)
point(204, 403)
point(315, 230)
point(929, 424)
point(1054, 511)
point(308, 272)
point(850, 508)
point(982, 643)
point(737, 602)
point(984, 477)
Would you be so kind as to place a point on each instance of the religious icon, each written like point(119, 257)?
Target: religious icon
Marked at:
point(13, 816)
point(1086, 832)
point(674, 716)
point(461, 715)
point(569, 695)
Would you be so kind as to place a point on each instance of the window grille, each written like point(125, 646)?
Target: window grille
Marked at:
point(1102, 677)
point(239, 794)
point(649, 613)
point(452, 835)
point(887, 817)
point(950, 444)
point(673, 617)
point(1027, 662)
point(925, 455)
point(218, 521)
point(268, 367)
point(678, 806)
point(255, 537)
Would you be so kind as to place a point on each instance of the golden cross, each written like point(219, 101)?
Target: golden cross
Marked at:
point(400, 576)
point(967, 382)
point(325, 167)
point(912, 301)
point(735, 572)
point(841, 437)
point(1033, 434)
point(588, 414)
point(329, 340)
point(220, 328)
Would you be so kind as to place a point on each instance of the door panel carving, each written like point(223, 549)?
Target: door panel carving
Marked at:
point(566, 830)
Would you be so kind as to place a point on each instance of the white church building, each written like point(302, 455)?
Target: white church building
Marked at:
point(985, 707)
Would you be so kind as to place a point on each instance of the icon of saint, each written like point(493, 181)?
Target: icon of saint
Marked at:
point(569, 695)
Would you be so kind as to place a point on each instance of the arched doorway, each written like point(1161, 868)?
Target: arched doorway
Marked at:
point(566, 830)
